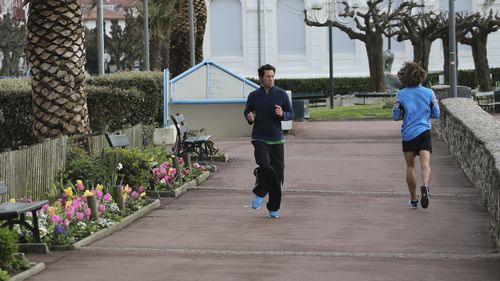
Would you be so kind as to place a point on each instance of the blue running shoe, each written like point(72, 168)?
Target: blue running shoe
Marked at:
point(257, 201)
point(273, 214)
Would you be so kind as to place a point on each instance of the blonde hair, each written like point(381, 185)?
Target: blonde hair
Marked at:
point(411, 74)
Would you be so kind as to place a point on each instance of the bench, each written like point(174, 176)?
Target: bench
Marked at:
point(316, 99)
point(373, 95)
point(117, 140)
point(15, 213)
point(201, 145)
point(486, 100)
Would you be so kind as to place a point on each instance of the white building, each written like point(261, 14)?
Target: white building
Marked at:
point(234, 39)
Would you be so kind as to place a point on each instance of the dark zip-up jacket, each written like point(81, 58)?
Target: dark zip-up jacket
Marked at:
point(267, 125)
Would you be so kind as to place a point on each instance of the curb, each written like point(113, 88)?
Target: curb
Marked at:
point(28, 273)
point(181, 189)
point(126, 221)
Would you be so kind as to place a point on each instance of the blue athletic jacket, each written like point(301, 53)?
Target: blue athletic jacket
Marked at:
point(267, 125)
point(415, 106)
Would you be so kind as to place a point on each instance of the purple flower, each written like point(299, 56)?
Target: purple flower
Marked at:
point(87, 212)
point(59, 229)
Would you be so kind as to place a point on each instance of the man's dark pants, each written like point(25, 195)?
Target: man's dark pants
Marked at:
point(270, 158)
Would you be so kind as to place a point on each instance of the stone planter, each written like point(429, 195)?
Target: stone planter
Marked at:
point(215, 158)
point(34, 269)
point(168, 193)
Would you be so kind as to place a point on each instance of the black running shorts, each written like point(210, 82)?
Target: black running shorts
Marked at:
point(421, 142)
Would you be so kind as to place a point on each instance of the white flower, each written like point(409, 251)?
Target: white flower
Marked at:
point(119, 166)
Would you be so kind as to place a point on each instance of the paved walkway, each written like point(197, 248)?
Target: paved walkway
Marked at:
point(344, 217)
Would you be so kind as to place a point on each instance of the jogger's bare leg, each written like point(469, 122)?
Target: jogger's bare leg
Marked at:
point(411, 180)
point(425, 157)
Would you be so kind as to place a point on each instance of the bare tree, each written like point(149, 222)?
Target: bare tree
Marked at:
point(422, 30)
point(481, 25)
point(12, 45)
point(370, 29)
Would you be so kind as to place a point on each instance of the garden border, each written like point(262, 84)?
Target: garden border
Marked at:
point(34, 269)
point(181, 189)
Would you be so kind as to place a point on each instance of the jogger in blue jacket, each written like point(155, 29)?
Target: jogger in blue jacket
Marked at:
point(415, 105)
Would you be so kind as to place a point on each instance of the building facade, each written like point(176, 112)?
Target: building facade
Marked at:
point(243, 34)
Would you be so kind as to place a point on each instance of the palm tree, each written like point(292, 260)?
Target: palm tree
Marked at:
point(56, 56)
point(161, 17)
point(179, 38)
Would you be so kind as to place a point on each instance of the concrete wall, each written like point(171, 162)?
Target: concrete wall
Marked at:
point(473, 138)
point(218, 119)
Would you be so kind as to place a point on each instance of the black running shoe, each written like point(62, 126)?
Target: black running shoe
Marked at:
point(424, 201)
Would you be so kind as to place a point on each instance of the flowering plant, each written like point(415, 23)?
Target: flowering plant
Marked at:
point(71, 218)
point(171, 174)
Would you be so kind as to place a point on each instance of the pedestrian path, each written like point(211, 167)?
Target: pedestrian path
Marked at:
point(344, 216)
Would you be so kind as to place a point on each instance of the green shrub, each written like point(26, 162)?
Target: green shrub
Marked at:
point(4, 275)
point(135, 166)
point(81, 166)
point(8, 247)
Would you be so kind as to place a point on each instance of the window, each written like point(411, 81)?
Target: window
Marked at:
point(291, 27)
point(226, 28)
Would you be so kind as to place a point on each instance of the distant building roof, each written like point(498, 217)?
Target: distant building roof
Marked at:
point(123, 3)
point(107, 14)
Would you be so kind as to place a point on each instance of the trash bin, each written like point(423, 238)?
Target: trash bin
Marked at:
point(497, 99)
point(301, 108)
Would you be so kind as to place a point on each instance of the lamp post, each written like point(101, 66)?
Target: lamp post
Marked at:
point(453, 51)
point(326, 11)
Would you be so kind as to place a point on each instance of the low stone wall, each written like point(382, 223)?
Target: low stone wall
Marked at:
point(473, 138)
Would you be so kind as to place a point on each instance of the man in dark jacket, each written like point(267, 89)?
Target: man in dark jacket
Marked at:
point(266, 107)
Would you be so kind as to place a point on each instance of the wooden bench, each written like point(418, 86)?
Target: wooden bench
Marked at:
point(15, 213)
point(373, 95)
point(486, 100)
point(201, 145)
point(316, 99)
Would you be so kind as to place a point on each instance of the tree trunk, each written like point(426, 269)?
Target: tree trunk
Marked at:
point(56, 55)
point(200, 9)
point(374, 49)
point(481, 66)
point(155, 55)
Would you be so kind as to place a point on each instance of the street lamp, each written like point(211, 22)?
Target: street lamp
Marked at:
point(326, 11)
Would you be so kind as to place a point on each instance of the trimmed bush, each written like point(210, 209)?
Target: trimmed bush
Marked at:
point(8, 247)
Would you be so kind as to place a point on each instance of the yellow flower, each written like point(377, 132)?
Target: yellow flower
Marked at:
point(127, 189)
point(68, 204)
point(143, 194)
point(79, 182)
point(88, 193)
point(12, 200)
point(99, 187)
point(51, 210)
point(69, 191)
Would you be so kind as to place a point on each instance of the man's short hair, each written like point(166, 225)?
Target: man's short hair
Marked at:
point(265, 67)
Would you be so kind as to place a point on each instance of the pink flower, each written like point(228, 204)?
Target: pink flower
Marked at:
point(55, 219)
point(87, 212)
point(172, 171)
point(45, 208)
point(196, 165)
point(181, 160)
point(70, 213)
point(79, 185)
point(106, 197)
point(141, 189)
point(134, 195)
point(79, 216)
point(66, 222)
point(102, 208)
point(98, 193)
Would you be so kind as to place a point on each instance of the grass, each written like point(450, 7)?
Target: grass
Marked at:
point(369, 111)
